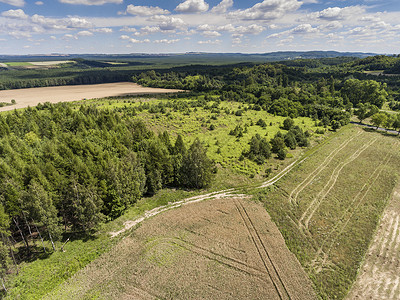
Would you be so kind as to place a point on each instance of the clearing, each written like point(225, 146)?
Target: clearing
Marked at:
point(226, 248)
point(54, 94)
point(379, 277)
point(328, 207)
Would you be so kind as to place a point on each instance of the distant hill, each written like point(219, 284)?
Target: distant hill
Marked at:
point(199, 57)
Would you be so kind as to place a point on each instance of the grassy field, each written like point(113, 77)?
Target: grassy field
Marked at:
point(379, 277)
point(226, 248)
point(329, 206)
point(212, 124)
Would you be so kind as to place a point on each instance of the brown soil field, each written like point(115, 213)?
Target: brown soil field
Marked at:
point(34, 96)
point(379, 276)
point(226, 248)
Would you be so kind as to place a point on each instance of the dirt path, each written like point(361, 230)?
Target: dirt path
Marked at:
point(55, 94)
point(214, 195)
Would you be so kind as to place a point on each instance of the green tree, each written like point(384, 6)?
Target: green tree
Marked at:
point(379, 119)
point(197, 168)
point(288, 123)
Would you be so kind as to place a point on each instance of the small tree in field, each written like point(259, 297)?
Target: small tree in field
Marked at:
point(197, 168)
point(378, 119)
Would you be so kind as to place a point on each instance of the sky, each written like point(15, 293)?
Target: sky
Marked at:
point(179, 26)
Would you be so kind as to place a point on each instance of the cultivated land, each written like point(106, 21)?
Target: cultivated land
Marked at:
point(379, 277)
point(34, 96)
point(226, 248)
point(329, 206)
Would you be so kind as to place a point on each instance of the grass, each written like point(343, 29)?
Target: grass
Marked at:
point(18, 64)
point(212, 126)
point(39, 277)
point(329, 206)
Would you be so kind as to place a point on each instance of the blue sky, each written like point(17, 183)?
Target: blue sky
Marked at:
point(176, 26)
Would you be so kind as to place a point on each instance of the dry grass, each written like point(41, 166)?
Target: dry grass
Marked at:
point(226, 248)
point(34, 96)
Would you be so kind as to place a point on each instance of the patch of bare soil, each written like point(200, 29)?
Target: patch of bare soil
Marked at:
point(54, 94)
point(226, 248)
point(379, 276)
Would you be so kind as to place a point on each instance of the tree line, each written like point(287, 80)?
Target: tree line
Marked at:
point(65, 169)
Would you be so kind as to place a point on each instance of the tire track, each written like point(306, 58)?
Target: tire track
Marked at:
point(307, 181)
point(348, 214)
point(264, 255)
point(314, 205)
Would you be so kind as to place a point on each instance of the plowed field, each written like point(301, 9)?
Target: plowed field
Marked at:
point(225, 248)
point(54, 94)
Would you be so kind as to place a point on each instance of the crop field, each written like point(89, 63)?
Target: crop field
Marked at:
point(226, 248)
point(34, 96)
point(329, 206)
point(379, 277)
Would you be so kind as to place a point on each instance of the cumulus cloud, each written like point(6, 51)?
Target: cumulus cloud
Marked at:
point(18, 3)
point(145, 10)
point(222, 7)
point(241, 30)
point(124, 37)
point(335, 25)
point(303, 29)
point(165, 41)
point(135, 41)
point(337, 13)
point(15, 14)
point(39, 3)
point(85, 33)
point(211, 33)
point(192, 6)
point(209, 42)
point(267, 10)
point(91, 2)
point(103, 30)
point(168, 23)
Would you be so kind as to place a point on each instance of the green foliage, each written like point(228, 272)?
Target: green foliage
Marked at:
point(259, 151)
point(197, 169)
point(288, 123)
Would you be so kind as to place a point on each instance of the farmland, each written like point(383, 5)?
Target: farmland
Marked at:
point(379, 277)
point(34, 96)
point(227, 247)
point(328, 207)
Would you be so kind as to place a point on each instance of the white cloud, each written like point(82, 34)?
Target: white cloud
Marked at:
point(209, 42)
point(76, 22)
point(18, 3)
point(91, 2)
point(335, 25)
point(20, 34)
point(165, 41)
point(337, 13)
point(39, 3)
point(303, 29)
point(124, 37)
point(145, 10)
point(211, 33)
point(15, 14)
point(168, 23)
point(222, 7)
point(267, 10)
point(103, 30)
point(69, 36)
point(128, 29)
point(85, 33)
point(53, 37)
point(192, 6)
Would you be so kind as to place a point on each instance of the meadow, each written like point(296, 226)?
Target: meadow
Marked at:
point(330, 205)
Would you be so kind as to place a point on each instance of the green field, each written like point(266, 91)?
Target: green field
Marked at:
point(329, 206)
